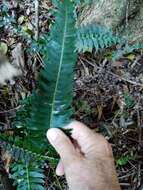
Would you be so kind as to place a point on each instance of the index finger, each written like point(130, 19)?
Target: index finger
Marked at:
point(91, 144)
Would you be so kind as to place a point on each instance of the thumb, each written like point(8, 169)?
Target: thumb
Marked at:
point(62, 144)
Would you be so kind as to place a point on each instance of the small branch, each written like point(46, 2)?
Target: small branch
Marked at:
point(139, 144)
point(126, 80)
point(36, 19)
point(36, 30)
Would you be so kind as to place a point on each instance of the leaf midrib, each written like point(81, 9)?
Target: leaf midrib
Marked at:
point(27, 177)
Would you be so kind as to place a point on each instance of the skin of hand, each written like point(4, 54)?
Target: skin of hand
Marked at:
point(87, 160)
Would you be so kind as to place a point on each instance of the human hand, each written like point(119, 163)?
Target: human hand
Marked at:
point(87, 162)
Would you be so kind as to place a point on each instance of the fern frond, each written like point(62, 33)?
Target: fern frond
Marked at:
point(125, 50)
point(53, 98)
point(96, 37)
point(28, 176)
point(19, 153)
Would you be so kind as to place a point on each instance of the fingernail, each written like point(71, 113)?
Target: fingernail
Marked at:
point(52, 134)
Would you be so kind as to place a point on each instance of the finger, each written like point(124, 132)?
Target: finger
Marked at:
point(63, 145)
point(60, 169)
point(91, 144)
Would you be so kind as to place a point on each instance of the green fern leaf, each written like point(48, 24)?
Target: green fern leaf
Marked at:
point(96, 37)
point(53, 98)
point(20, 153)
point(28, 176)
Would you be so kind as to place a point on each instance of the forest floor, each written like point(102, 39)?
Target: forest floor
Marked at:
point(108, 95)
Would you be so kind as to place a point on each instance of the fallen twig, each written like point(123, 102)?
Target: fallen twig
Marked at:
point(36, 19)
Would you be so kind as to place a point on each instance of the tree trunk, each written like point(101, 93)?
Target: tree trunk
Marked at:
point(124, 17)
